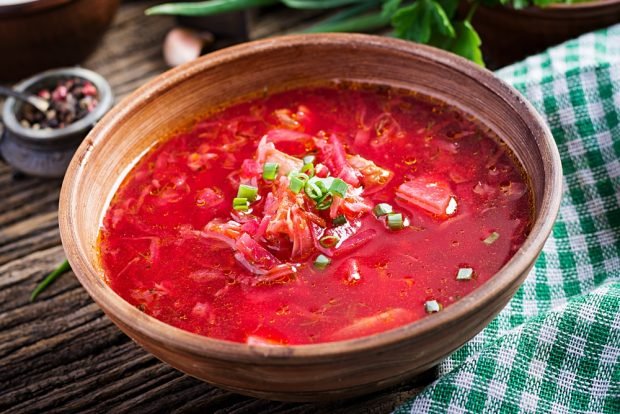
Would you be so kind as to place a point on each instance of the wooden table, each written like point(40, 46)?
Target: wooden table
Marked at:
point(61, 353)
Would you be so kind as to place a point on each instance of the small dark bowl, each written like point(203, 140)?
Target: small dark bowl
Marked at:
point(41, 34)
point(47, 153)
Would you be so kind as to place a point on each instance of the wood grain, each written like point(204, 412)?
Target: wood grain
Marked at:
point(61, 354)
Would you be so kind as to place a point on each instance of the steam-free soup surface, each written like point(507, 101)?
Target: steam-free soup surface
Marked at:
point(314, 215)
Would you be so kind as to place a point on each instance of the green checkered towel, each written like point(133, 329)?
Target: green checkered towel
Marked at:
point(556, 346)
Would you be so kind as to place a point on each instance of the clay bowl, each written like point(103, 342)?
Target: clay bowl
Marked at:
point(40, 34)
point(509, 35)
point(303, 372)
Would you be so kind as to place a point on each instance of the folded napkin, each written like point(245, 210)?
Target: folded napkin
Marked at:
point(556, 347)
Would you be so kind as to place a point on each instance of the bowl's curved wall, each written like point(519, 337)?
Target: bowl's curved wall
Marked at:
point(307, 372)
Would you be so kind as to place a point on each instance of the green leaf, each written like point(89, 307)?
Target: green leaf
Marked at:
point(467, 42)
point(491, 3)
point(207, 8)
point(520, 4)
point(414, 22)
point(449, 6)
point(363, 23)
point(543, 3)
point(352, 11)
point(317, 4)
point(442, 22)
point(390, 7)
point(353, 19)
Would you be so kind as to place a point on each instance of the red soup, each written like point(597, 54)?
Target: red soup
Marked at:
point(315, 215)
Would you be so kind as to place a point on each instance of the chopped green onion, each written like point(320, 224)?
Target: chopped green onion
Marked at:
point(270, 170)
point(308, 168)
point(324, 202)
point(338, 187)
point(296, 184)
point(432, 306)
point(329, 241)
point(309, 159)
point(324, 183)
point(321, 262)
point(395, 221)
point(303, 177)
point(465, 273)
point(247, 191)
point(382, 209)
point(491, 238)
point(313, 190)
point(340, 220)
point(241, 204)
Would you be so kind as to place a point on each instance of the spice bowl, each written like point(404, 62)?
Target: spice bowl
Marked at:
point(47, 152)
point(321, 371)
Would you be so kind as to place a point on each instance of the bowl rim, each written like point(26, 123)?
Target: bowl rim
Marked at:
point(559, 10)
point(29, 6)
point(594, 4)
point(106, 99)
point(171, 337)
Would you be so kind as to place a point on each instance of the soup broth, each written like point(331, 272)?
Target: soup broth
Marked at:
point(315, 215)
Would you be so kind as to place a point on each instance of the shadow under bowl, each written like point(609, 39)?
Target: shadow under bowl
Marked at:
point(329, 370)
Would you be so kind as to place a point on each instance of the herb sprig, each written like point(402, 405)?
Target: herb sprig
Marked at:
point(432, 22)
point(64, 267)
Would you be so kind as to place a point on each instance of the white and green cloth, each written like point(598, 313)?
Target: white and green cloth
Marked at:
point(556, 347)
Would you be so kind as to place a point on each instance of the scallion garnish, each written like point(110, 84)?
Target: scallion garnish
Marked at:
point(324, 202)
point(308, 168)
point(313, 190)
point(491, 238)
point(270, 170)
point(382, 209)
point(465, 273)
point(340, 220)
point(329, 241)
point(338, 187)
point(296, 183)
point(432, 306)
point(324, 183)
point(321, 262)
point(241, 204)
point(247, 191)
point(395, 221)
point(309, 159)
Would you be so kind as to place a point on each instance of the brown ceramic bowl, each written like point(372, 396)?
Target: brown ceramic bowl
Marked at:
point(329, 370)
point(509, 35)
point(42, 34)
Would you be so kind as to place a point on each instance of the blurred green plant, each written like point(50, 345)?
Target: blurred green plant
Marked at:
point(432, 22)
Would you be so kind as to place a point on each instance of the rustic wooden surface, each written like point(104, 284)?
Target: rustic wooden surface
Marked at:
point(61, 353)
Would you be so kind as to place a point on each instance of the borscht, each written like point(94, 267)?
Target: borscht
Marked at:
point(315, 215)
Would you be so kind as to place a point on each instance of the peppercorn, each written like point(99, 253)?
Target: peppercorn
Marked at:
point(70, 100)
